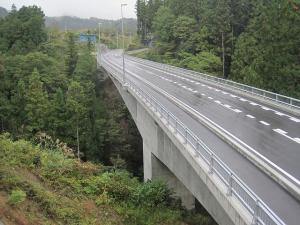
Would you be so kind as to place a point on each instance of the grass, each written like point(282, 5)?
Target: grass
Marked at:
point(43, 186)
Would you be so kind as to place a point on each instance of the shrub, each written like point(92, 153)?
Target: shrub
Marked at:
point(152, 194)
point(16, 197)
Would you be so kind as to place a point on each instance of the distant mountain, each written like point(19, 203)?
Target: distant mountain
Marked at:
point(76, 23)
point(3, 12)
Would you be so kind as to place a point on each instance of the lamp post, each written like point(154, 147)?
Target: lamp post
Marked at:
point(99, 50)
point(123, 55)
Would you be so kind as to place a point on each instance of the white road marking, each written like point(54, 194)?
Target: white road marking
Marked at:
point(264, 123)
point(294, 119)
point(225, 93)
point(284, 133)
point(203, 94)
point(227, 106)
point(195, 91)
point(217, 101)
point(184, 86)
point(203, 85)
point(190, 89)
point(265, 108)
point(209, 87)
point(297, 140)
point(210, 98)
point(243, 100)
point(197, 83)
point(234, 96)
point(192, 81)
point(280, 131)
point(250, 116)
point(253, 103)
point(279, 113)
point(217, 90)
point(237, 110)
point(175, 82)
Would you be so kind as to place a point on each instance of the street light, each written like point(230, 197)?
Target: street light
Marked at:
point(123, 55)
point(99, 52)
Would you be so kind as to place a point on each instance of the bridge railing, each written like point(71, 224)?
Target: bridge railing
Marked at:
point(261, 213)
point(280, 99)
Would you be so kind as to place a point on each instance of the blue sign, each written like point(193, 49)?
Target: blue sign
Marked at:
point(87, 37)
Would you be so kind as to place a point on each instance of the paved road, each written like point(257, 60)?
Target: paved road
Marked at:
point(272, 133)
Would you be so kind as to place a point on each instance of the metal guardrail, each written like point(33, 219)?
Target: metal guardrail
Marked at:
point(281, 99)
point(262, 214)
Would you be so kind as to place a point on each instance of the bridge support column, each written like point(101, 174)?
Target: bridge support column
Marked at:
point(154, 169)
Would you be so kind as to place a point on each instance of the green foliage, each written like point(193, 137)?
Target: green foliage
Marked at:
point(163, 24)
point(16, 197)
point(60, 187)
point(276, 67)
point(152, 194)
point(22, 31)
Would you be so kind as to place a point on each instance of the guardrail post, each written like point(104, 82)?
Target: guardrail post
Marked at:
point(229, 191)
point(211, 164)
point(255, 214)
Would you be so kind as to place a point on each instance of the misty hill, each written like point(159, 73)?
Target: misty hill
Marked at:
point(76, 23)
point(3, 12)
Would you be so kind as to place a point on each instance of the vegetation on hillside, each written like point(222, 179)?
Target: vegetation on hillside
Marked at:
point(251, 41)
point(44, 184)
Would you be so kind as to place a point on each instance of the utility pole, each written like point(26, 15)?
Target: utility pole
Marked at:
point(223, 54)
point(117, 39)
point(123, 5)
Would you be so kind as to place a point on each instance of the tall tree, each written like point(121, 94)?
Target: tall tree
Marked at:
point(37, 104)
point(22, 31)
point(72, 54)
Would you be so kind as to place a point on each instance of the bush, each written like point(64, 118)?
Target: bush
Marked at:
point(16, 197)
point(152, 194)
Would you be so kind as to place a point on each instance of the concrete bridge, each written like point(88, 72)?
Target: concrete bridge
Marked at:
point(234, 149)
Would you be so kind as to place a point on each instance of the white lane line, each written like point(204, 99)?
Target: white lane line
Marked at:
point(210, 98)
point(227, 106)
point(197, 83)
point(209, 87)
point(243, 100)
point(203, 85)
point(175, 82)
point(279, 113)
point(203, 94)
point(284, 133)
point(237, 110)
point(192, 81)
point(265, 108)
point(264, 123)
point(191, 89)
point(224, 93)
point(280, 131)
point(195, 91)
point(294, 119)
point(297, 140)
point(217, 90)
point(184, 86)
point(234, 96)
point(217, 101)
point(250, 116)
point(253, 103)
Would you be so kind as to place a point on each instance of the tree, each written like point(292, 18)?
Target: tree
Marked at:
point(22, 31)
point(163, 24)
point(72, 54)
point(267, 54)
point(76, 107)
point(37, 104)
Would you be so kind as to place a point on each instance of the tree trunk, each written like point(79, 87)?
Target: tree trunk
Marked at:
point(223, 55)
point(78, 149)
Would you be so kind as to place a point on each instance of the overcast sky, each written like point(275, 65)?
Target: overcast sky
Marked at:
point(104, 9)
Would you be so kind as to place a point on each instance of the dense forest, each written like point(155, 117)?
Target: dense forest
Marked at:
point(250, 41)
point(50, 85)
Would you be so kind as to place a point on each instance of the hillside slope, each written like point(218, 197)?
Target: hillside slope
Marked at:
point(44, 184)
